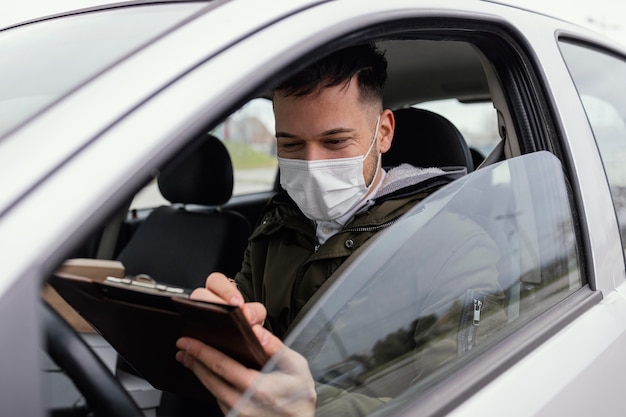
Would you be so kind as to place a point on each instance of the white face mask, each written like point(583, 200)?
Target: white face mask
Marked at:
point(326, 189)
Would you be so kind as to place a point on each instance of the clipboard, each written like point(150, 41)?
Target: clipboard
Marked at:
point(142, 323)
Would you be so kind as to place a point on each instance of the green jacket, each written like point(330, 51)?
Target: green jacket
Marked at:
point(284, 265)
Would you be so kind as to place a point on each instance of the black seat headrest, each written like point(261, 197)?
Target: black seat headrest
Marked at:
point(426, 139)
point(204, 176)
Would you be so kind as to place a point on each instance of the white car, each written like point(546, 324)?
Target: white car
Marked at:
point(97, 105)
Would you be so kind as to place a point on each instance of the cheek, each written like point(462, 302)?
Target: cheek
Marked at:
point(369, 166)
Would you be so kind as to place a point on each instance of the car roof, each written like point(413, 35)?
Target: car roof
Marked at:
point(104, 5)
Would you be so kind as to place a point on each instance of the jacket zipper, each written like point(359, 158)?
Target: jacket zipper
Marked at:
point(473, 328)
point(371, 228)
point(478, 305)
point(470, 321)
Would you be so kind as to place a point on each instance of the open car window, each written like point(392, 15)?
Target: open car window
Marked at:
point(467, 266)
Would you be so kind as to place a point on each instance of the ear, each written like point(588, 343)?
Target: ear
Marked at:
point(386, 129)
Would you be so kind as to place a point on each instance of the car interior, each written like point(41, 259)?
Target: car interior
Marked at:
point(202, 177)
point(204, 227)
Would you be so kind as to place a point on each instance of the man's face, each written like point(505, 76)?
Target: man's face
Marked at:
point(331, 124)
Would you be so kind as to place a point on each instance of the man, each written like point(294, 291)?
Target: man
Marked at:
point(331, 130)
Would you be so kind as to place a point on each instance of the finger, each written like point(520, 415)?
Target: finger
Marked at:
point(220, 365)
point(225, 394)
point(220, 285)
point(289, 361)
point(270, 343)
point(203, 294)
point(255, 313)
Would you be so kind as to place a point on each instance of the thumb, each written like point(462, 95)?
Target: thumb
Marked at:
point(289, 361)
point(270, 343)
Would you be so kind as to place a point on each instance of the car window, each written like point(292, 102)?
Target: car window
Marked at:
point(41, 72)
point(469, 264)
point(599, 79)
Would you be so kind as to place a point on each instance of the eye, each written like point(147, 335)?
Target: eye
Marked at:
point(336, 143)
point(288, 146)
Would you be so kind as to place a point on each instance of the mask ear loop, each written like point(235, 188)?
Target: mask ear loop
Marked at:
point(370, 150)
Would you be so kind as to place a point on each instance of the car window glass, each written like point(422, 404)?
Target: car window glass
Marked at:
point(599, 79)
point(477, 121)
point(469, 264)
point(41, 53)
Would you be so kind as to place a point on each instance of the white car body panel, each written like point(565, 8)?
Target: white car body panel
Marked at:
point(555, 378)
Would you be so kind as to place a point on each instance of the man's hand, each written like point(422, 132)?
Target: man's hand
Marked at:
point(220, 289)
point(288, 390)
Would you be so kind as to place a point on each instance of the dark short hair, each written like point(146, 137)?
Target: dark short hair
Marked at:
point(365, 61)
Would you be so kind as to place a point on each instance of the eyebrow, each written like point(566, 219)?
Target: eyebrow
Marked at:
point(329, 132)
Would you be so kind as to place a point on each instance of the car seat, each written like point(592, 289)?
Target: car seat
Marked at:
point(426, 139)
point(180, 246)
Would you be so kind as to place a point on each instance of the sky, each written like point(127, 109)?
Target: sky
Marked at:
point(599, 15)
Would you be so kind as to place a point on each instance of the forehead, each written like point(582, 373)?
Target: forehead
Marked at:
point(340, 103)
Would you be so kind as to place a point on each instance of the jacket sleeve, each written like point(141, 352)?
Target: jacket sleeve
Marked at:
point(244, 277)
